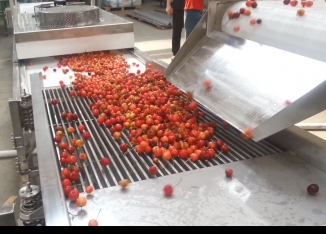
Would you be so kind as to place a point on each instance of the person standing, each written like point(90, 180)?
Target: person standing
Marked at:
point(176, 9)
point(193, 12)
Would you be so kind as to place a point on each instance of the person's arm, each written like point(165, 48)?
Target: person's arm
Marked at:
point(169, 9)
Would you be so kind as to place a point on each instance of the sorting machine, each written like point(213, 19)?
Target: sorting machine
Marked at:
point(266, 76)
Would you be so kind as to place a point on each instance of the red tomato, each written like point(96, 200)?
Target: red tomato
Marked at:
point(194, 157)
point(168, 190)
point(73, 195)
point(104, 162)
point(211, 153)
point(224, 148)
point(73, 176)
point(67, 189)
point(71, 159)
point(153, 170)
point(66, 182)
point(81, 128)
point(167, 155)
point(219, 143)
point(86, 135)
point(228, 172)
point(183, 154)
point(89, 189)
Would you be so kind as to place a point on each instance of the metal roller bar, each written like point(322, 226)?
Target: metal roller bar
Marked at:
point(130, 165)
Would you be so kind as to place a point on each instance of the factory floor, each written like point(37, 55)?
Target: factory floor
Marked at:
point(155, 42)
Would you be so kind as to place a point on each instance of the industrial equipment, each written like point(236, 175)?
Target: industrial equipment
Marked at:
point(253, 72)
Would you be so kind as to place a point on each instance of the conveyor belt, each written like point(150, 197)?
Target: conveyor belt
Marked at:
point(131, 166)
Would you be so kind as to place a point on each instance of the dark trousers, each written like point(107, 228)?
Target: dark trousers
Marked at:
point(192, 19)
point(177, 24)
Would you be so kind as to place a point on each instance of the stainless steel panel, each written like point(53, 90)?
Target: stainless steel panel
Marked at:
point(68, 16)
point(14, 52)
point(24, 84)
point(160, 66)
point(304, 107)
point(26, 28)
point(14, 107)
point(55, 209)
point(18, 136)
point(266, 191)
point(312, 126)
point(69, 46)
point(110, 34)
point(304, 144)
point(7, 215)
point(211, 16)
point(15, 81)
point(251, 83)
point(281, 28)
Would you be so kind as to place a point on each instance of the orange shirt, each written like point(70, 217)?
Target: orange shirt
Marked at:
point(194, 5)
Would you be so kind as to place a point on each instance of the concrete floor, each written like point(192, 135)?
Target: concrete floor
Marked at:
point(153, 41)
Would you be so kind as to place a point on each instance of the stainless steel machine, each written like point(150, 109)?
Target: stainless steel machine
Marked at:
point(266, 76)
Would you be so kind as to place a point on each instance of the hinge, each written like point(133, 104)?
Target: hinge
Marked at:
point(17, 142)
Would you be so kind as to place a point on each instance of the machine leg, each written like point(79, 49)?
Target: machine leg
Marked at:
point(31, 206)
point(23, 139)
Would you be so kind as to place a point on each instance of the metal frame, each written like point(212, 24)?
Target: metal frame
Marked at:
point(312, 126)
point(18, 140)
point(303, 144)
point(23, 138)
point(303, 108)
point(211, 54)
point(117, 32)
point(55, 210)
point(7, 215)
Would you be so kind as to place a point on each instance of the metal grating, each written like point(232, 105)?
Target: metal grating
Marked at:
point(130, 165)
point(68, 16)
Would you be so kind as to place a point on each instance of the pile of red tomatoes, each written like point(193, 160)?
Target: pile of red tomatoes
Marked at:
point(160, 118)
